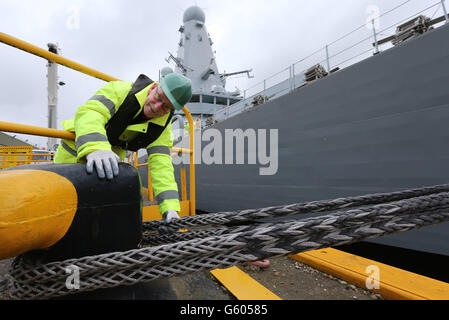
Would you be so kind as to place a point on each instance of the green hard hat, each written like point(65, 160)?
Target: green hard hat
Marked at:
point(177, 88)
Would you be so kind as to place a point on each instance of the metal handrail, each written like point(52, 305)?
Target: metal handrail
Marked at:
point(25, 46)
point(36, 131)
point(22, 157)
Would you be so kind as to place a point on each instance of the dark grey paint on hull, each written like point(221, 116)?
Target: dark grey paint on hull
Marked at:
point(380, 125)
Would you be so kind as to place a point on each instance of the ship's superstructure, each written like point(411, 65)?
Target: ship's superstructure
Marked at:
point(196, 60)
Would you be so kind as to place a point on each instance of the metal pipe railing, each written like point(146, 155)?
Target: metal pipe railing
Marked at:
point(23, 158)
point(25, 46)
point(36, 131)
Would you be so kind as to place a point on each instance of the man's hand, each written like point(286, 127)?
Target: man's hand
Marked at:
point(168, 216)
point(105, 161)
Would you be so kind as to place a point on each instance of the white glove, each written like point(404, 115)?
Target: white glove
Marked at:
point(104, 160)
point(169, 215)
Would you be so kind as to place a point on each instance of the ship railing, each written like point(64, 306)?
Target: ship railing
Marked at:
point(150, 212)
point(354, 46)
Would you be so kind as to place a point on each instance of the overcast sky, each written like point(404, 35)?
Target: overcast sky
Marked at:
point(125, 38)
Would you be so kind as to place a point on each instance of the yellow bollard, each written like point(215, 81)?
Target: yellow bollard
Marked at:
point(34, 213)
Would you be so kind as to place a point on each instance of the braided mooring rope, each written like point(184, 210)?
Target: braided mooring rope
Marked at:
point(207, 249)
point(298, 208)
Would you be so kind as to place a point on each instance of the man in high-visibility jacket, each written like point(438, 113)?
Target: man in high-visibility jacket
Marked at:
point(129, 116)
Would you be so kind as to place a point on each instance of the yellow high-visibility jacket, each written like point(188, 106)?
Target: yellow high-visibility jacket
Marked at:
point(89, 127)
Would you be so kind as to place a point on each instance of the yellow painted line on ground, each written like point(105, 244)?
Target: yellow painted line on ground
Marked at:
point(393, 283)
point(242, 286)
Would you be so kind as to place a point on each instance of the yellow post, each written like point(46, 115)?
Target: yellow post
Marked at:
point(25, 46)
point(29, 157)
point(150, 186)
point(192, 162)
point(183, 185)
point(136, 160)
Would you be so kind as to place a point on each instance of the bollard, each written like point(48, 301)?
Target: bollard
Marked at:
point(58, 211)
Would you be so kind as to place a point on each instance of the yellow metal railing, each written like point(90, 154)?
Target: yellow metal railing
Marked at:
point(14, 158)
point(25, 46)
point(11, 156)
point(36, 131)
point(62, 134)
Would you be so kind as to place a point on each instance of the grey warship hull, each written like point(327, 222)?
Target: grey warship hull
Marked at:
point(380, 125)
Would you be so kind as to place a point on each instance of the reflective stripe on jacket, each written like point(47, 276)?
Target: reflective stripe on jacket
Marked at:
point(89, 126)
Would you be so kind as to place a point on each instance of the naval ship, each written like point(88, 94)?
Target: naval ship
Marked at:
point(376, 126)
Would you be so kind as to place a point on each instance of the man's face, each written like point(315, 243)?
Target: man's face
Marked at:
point(157, 104)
